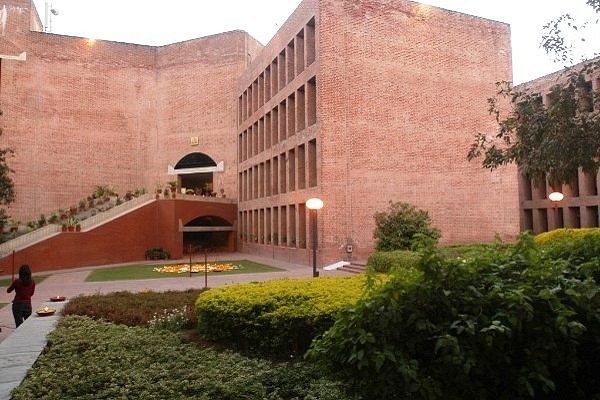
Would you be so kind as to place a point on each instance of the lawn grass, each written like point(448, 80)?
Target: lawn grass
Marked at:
point(37, 278)
point(145, 271)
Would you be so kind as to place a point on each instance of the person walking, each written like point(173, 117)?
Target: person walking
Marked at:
point(24, 287)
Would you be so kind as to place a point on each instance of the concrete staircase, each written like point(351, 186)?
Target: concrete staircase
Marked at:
point(355, 267)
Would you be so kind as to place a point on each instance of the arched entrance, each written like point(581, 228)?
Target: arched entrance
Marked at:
point(207, 232)
point(195, 174)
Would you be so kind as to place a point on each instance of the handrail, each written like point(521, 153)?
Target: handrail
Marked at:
point(46, 232)
point(114, 212)
point(28, 239)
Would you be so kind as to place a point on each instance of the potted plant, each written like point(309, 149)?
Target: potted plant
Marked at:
point(53, 219)
point(14, 225)
point(71, 222)
point(41, 221)
point(157, 253)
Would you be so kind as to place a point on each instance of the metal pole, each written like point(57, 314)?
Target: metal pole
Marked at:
point(13, 265)
point(314, 243)
point(205, 268)
point(190, 251)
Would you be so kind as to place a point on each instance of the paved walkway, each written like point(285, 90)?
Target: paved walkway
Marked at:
point(19, 348)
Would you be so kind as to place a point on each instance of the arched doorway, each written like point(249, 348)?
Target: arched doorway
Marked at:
point(195, 174)
point(207, 232)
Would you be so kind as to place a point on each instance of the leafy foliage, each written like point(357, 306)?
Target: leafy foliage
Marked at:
point(399, 227)
point(385, 261)
point(134, 309)
point(7, 186)
point(551, 140)
point(508, 324)
point(555, 40)
point(90, 359)
point(279, 317)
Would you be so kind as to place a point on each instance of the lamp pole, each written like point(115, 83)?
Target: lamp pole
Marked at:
point(314, 204)
point(555, 197)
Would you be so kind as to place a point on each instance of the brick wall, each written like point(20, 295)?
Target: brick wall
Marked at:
point(123, 240)
point(402, 89)
point(82, 113)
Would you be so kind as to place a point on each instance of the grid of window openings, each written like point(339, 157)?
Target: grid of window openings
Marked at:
point(277, 144)
point(580, 205)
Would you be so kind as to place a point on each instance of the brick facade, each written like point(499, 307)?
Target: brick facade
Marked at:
point(358, 104)
point(401, 89)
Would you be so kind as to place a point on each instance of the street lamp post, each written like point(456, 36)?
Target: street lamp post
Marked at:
point(314, 204)
point(555, 197)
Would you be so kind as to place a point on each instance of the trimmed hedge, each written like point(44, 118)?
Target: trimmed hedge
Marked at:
point(279, 317)
point(386, 261)
point(564, 234)
point(579, 247)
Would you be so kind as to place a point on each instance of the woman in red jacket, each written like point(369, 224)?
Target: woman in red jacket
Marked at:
point(24, 287)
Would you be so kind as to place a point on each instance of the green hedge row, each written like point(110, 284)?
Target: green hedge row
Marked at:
point(386, 261)
point(279, 317)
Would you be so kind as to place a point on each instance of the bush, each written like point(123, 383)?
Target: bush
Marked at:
point(579, 247)
point(89, 359)
point(400, 226)
point(385, 261)
point(135, 309)
point(564, 234)
point(157, 253)
point(506, 325)
point(280, 317)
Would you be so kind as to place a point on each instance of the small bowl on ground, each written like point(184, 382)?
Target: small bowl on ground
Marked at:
point(46, 311)
point(57, 298)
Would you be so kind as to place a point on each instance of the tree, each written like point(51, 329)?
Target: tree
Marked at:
point(7, 188)
point(547, 141)
point(400, 226)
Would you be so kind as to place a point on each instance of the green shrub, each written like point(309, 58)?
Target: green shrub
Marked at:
point(157, 253)
point(399, 227)
point(578, 246)
point(506, 325)
point(385, 261)
point(564, 234)
point(171, 320)
point(90, 359)
point(279, 317)
point(135, 309)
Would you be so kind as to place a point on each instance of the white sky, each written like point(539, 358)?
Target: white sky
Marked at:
point(160, 22)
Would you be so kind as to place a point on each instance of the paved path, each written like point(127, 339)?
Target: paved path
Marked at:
point(19, 348)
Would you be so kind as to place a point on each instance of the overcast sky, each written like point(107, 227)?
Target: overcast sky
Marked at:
point(159, 22)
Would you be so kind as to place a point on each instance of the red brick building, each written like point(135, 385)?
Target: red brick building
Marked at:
point(579, 206)
point(358, 104)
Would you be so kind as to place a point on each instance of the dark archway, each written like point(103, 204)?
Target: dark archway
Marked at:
point(207, 232)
